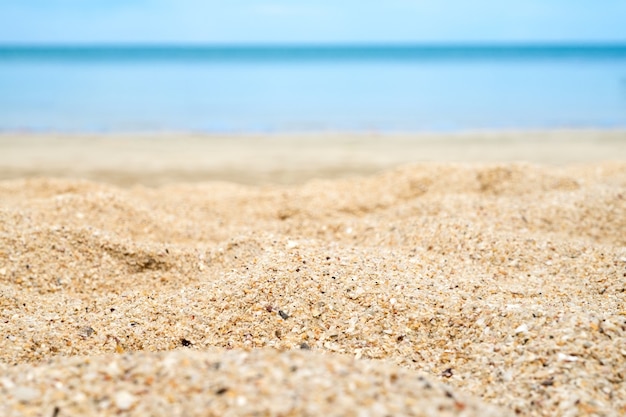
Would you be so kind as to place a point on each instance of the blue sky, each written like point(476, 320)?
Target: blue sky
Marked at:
point(321, 21)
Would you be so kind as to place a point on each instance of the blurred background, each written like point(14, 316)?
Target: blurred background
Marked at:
point(310, 66)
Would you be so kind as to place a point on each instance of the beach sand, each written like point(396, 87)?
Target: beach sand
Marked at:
point(470, 275)
point(159, 159)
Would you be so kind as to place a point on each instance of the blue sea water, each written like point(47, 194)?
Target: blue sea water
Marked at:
point(311, 88)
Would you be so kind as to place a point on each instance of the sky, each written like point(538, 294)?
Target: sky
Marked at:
point(311, 21)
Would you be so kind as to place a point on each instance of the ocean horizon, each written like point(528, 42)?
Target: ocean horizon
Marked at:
point(312, 52)
point(304, 88)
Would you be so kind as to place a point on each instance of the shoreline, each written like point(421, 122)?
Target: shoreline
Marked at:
point(284, 158)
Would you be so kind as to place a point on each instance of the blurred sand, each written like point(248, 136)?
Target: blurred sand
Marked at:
point(284, 159)
point(440, 288)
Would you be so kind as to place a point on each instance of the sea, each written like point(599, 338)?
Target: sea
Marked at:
point(311, 88)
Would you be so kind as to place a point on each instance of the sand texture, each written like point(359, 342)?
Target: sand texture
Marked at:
point(429, 289)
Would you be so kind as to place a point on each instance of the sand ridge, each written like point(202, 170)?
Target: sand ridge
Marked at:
point(505, 282)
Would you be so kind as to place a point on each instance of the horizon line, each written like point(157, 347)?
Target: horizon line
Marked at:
point(360, 44)
point(308, 52)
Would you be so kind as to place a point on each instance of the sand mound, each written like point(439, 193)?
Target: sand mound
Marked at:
point(505, 282)
point(230, 383)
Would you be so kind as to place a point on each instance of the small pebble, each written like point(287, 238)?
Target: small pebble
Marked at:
point(124, 400)
point(86, 331)
point(523, 328)
point(567, 358)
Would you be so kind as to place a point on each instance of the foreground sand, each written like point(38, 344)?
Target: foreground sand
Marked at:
point(429, 289)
